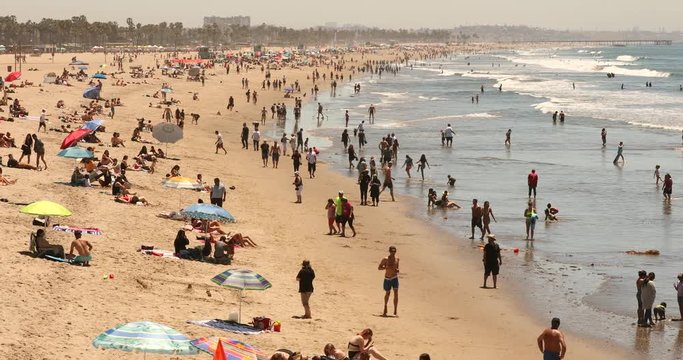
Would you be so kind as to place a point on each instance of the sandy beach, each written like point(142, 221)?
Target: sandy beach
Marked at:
point(54, 310)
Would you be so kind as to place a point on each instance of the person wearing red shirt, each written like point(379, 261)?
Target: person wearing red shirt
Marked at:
point(532, 181)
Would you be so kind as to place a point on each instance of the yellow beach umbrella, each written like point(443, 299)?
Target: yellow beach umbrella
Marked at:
point(181, 182)
point(45, 208)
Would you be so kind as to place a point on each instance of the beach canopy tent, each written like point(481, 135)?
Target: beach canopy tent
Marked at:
point(145, 337)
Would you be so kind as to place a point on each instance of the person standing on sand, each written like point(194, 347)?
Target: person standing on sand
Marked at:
point(364, 184)
point(679, 291)
point(312, 159)
point(492, 260)
point(296, 160)
point(551, 342)
point(390, 266)
point(374, 190)
point(305, 278)
point(284, 141)
point(532, 182)
point(219, 143)
point(265, 152)
point(642, 276)
point(218, 193)
point(603, 135)
point(298, 186)
point(245, 136)
point(255, 139)
point(620, 153)
point(388, 181)
point(477, 214)
point(648, 295)
point(331, 217)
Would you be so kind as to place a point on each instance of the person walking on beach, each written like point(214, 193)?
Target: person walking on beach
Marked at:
point(508, 134)
point(487, 215)
point(298, 186)
point(390, 266)
point(421, 164)
point(448, 133)
point(331, 217)
point(532, 181)
point(275, 154)
point(305, 278)
point(371, 114)
point(347, 217)
point(284, 141)
point(530, 217)
point(388, 181)
point(364, 184)
point(477, 214)
point(408, 164)
point(265, 152)
point(656, 175)
point(375, 184)
point(648, 295)
point(296, 160)
point(603, 135)
point(245, 136)
point(492, 260)
point(218, 193)
point(668, 187)
point(39, 149)
point(255, 139)
point(312, 159)
point(551, 342)
point(620, 153)
point(219, 143)
point(42, 122)
point(345, 138)
point(679, 292)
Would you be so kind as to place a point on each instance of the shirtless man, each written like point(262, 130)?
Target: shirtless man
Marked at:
point(390, 266)
point(83, 247)
point(388, 181)
point(551, 342)
point(477, 214)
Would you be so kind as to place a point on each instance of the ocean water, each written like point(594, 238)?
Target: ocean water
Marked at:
point(576, 268)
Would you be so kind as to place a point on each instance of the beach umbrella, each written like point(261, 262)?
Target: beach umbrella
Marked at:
point(146, 337)
point(83, 67)
point(99, 76)
point(241, 279)
point(181, 182)
point(231, 349)
point(75, 152)
point(207, 212)
point(167, 133)
point(92, 125)
point(45, 208)
point(74, 137)
point(92, 93)
point(15, 75)
point(78, 62)
point(166, 90)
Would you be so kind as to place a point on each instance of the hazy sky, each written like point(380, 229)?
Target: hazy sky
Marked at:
point(556, 14)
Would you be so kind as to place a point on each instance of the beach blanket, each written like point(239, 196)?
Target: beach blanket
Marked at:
point(167, 254)
point(73, 229)
point(229, 326)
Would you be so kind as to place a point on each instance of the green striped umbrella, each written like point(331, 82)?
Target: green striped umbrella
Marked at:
point(146, 337)
point(241, 279)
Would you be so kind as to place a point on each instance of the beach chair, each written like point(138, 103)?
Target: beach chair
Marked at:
point(32, 244)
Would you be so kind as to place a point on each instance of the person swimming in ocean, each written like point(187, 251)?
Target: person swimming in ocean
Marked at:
point(451, 181)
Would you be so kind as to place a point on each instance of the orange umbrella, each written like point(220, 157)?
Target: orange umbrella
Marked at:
point(220, 353)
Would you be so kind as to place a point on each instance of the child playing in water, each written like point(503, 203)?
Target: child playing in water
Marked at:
point(656, 175)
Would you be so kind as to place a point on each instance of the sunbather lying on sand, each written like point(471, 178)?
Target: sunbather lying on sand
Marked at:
point(5, 181)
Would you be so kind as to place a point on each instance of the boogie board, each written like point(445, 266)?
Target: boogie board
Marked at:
point(54, 258)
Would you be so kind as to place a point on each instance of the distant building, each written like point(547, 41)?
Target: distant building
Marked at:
point(226, 22)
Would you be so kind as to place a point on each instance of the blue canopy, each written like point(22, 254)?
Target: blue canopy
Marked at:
point(92, 125)
point(99, 76)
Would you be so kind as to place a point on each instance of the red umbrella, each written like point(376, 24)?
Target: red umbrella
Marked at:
point(74, 137)
point(220, 353)
point(13, 76)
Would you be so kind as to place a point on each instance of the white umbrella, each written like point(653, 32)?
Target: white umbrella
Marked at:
point(167, 133)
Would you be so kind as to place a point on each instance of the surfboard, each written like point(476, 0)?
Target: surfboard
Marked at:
point(54, 258)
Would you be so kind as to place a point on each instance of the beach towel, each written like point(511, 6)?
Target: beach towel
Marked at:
point(229, 326)
point(167, 254)
point(73, 229)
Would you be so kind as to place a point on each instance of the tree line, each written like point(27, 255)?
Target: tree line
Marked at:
point(79, 32)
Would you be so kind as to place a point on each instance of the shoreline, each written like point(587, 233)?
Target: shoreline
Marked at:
point(348, 287)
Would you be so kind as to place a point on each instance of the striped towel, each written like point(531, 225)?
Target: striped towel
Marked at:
point(72, 229)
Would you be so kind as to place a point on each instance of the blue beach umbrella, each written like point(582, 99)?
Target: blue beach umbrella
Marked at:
point(92, 125)
point(207, 212)
point(75, 152)
point(92, 93)
point(99, 76)
point(241, 279)
point(83, 67)
point(146, 337)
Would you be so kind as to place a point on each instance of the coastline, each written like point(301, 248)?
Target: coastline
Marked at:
point(348, 287)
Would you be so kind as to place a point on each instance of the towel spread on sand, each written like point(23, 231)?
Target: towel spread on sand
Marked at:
point(72, 229)
point(230, 326)
point(160, 253)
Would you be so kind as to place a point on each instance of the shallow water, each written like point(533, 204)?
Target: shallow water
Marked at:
point(576, 268)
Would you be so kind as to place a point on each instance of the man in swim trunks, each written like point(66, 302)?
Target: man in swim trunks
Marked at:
point(551, 342)
point(83, 247)
point(390, 266)
point(477, 214)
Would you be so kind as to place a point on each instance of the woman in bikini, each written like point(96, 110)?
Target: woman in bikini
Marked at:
point(488, 215)
point(362, 344)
